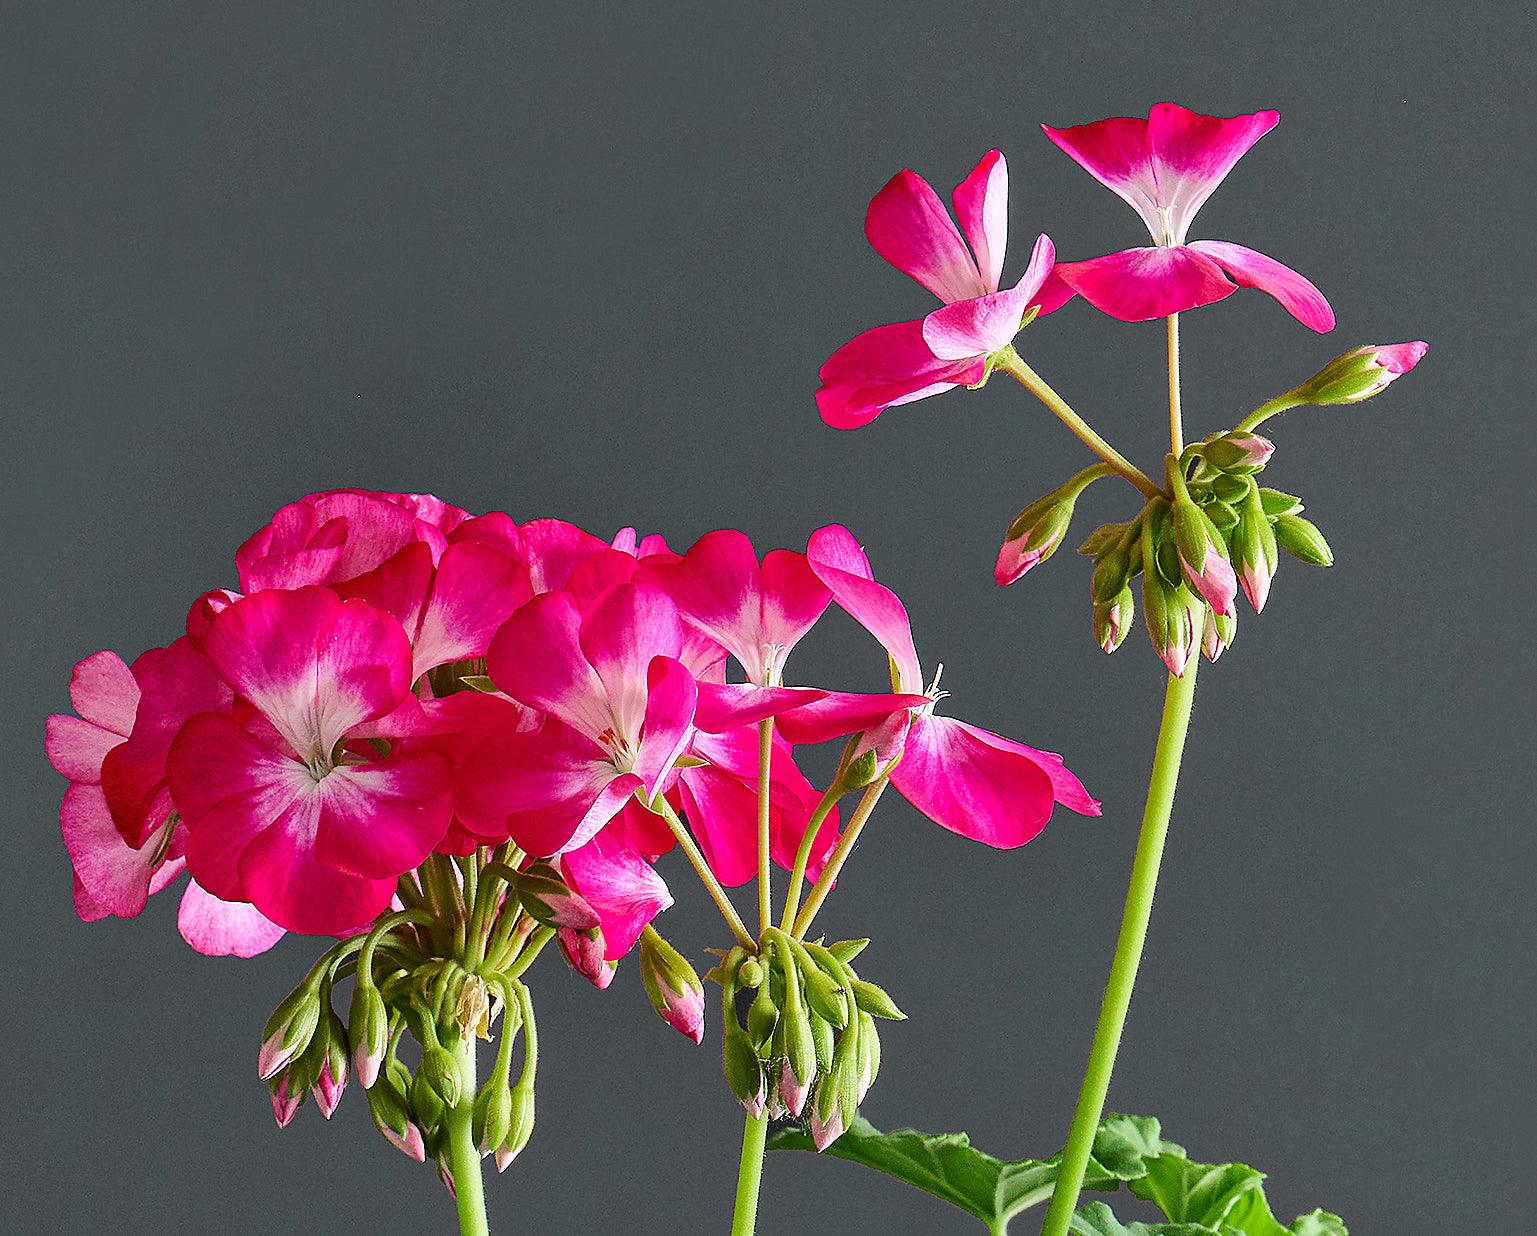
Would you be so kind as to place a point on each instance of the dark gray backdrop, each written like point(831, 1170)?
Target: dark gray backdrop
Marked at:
point(584, 260)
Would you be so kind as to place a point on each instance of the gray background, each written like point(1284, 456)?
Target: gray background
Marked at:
point(586, 263)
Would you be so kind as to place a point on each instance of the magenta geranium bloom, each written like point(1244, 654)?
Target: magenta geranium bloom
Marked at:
point(1165, 167)
point(969, 780)
point(908, 225)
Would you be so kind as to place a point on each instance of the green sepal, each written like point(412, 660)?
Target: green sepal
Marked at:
point(1275, 503)
point(846, 950)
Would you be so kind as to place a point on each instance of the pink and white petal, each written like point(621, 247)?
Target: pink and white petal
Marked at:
point(537, 659)
point(87, 908)
point(968, 329)
point(1116, 152)
point(224, 928)
point(723, 706)
point(840, 713)
point(909, 226)
point(717, 587)
point(77, 748)
point(619, 638)
point(885, 368)
point(1000, 798)
point(316, 666)
point(381, 820)
point(553, 550)
point(1065, 786)
point(841, 564)
point(1192, 155)
point(669, 720)
point(1138, 285)
point(599, 575)
point(982, 205)
point(116, 875)
point(475, 590)
point(103, 691)
point(621, 886)
point(792, 599)
point(399, 586)
point(1297, 295)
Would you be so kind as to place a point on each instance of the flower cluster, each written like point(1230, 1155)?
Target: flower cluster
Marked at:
point(455, 733)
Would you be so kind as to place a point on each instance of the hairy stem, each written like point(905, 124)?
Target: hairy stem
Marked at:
point(1128, 950)
point(1176, 417)
point(839, 856)
point(463, 1154)
point(744, 1218)
point(707, 877)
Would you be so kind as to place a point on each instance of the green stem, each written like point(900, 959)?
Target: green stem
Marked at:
point(744, 1218)
point(803, 854)
point(463, 1154)
point(765, 865)
point(1027, 377)
point(1176, 417)
point(1265, 411)
point(1128, 950)
point(707, 877)
point(839, 856)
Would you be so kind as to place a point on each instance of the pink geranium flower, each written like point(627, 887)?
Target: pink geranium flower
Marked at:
point(287, 806)
point(969, 780)
point(908, 225)
point(1165, 167)
point(619, 711)
point(113, 875)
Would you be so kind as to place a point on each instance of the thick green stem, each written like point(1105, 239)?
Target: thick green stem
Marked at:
point(1128, 950)
point(1036, 385)
point(463, 1154)
point(765, 865)
point(744, 1218)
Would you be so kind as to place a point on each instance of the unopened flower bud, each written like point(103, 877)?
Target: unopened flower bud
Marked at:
point(286, 1101)
point(750, 974)
point(520, 1126)
point(550, 900)
point(1036, 533)
point(332, 1082)
point(762, 1016)
point(1171, 612)
point(1112, 619)
point(289, 1030)
point(869, 1054)
point(673, 985)
point(846, 950)
point(744, 1071)
point(1254, 550)
point(584, 951)
point(391, 1115)
point(441, 1072)
point(792, 1090)
point(491, 1117)
point(861, 770)
point(1275, 503)
point(1218, 634)
point(1203, 556)
point(826, 1041)
point(1240, 452)
point(1361, 373)
point(1302, 539)
point(368, 1030)
point(427, 1106)
point(874, 1000)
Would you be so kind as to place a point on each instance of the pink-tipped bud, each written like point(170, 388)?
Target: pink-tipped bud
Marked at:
point(792, 1092)
point(1038, 530)
point(409, 1142)
point(825, 1130)
point(1112, 619)
point(289, 1031)
point(1218, 635)
point(446, 1178)
point(368, 1032)
point(584, 951)
point(285, 1103)
point(673, 985)
point(1240, 453)
point(1361, 373)
point(331, 1084)
point(1203, 557)
point(551, 901)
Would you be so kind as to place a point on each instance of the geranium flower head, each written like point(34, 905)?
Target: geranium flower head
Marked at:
point(1165, 167)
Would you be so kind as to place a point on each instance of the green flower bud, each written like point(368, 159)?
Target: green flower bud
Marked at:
point(1113, 618)
point(874, 1000)
point(1275, 503)
point(750, 974)
point(368, 1030)
point(846, 950)
point(520, 1126)
point(289, 1029)
point(491, 1117)
point(744, 1071)
point(1238, 452)
point(1302, 539)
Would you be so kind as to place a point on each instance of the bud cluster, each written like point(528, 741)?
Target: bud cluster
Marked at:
point(808, 1046)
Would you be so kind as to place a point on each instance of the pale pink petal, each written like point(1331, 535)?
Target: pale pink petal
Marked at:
point(382, 819)
point(981, 326)
point(77, 748)
point(621, 886)
point(792, 599)
point(963, 783)
point(475, 589)
point(982, 205)
point(223, 928)
point(1192, 154)
point(537, 659)
point(87, 908)
point(1137, 285)
point(1254, 270)
point(104, 692)
point(840, 563)
point(670, 700)
point(116, 876)
point(619, 638)
point(885, 368)
point(908, 225)
point(1116, 153)
point(315, 665)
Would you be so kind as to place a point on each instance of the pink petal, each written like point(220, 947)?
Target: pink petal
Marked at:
point(840, 563)
point(104, 692)
point(316, 666)
point(885, 368)
point(325, 538)
point(1254, 270)
point(840, 713)
point(971, 328)
point(717, 586)
point(1065, 786)
point(722, 812)
point(982, 205)
point(77, 748)
point(537, 659)
point(117, 876)
point(223, 928)
point(962, 782)
point(475, 590)
point(621, 886)
point(908, 225)
point(1399, 358)
point(554, 549)
point(792, 599)
point(382, 819)
point(670, 701)
point(1116, 152)
point(1137, 285)
point(729, 705)
point(619, 638)
point(1192, 154)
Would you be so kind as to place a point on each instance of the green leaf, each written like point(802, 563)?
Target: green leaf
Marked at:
point(1097, 1219)
point(993, 1190)
point(1252, 1216)
point(1195, 1192)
